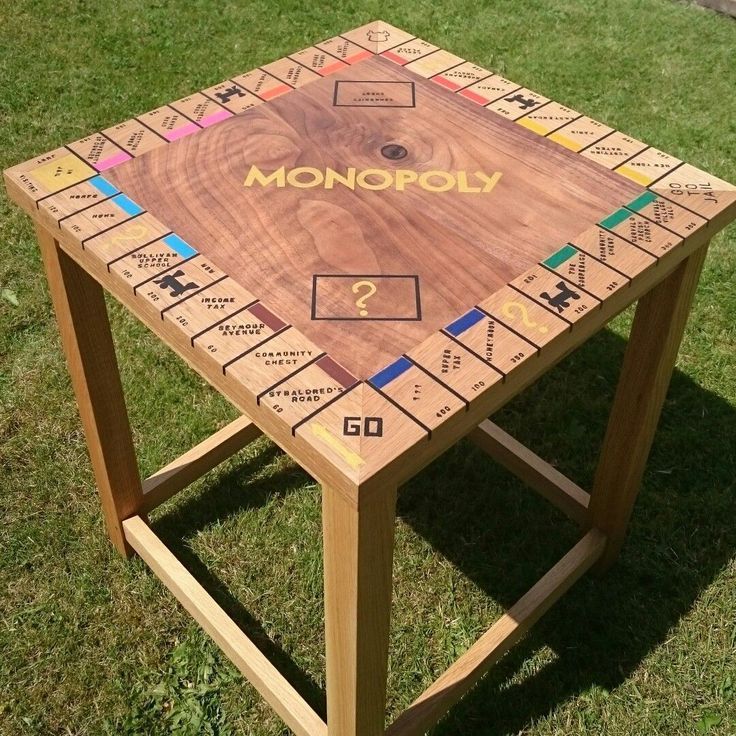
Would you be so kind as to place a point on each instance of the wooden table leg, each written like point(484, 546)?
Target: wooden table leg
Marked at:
point(358, 559)
point(81, 314)
point(650, 357)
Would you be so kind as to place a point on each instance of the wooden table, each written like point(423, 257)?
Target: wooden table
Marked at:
point(368, 247)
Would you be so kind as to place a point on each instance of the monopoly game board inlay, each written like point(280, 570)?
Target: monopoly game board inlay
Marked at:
point(369, 246)
point(372, 211)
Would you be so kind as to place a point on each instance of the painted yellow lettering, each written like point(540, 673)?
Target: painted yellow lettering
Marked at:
point(386, 177)
point(255, 175)
point(448, 181)
point(462, 183)
point(314, 177)
point(488, 181)
point(404, 177)
point(332, 177)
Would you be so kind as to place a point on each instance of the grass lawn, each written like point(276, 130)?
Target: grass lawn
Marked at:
point(93, 644)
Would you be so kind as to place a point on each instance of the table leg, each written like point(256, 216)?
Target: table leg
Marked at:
point(650, 356)
point(358, 559)
point(81, 314)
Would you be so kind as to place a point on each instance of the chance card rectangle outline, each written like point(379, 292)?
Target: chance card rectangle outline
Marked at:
point(414, 278)
point(336, 93)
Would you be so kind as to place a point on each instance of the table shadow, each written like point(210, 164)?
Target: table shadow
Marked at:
point(503, 537)
point(233, 493)
point(681, 536)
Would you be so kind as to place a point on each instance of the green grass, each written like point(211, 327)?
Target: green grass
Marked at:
point(92, 644)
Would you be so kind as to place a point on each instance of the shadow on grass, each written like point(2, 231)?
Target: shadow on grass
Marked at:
point(503, 537)
point(681, 536)
point(232, 495)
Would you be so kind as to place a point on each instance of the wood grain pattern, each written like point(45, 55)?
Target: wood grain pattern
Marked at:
point(648, 166)
point(378, 36)
point(445, 298)
point(613, 150)
point(389, 460)
point(449, 687)
point(241, 651)
point(409, 51)
point(532, 470)
point(198, 460)
point(81, 315)
point(358, 558)
point(700, 192)
point(462, 246)
point(267, 364)
point(659, 323)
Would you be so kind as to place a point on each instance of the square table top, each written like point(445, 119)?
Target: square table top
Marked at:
point(371, 243)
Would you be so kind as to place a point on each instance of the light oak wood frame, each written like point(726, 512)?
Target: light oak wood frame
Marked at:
point(81, 315)
point(359, 520)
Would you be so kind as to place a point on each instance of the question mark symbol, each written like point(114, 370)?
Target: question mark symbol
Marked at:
point(514, 309)
point(135, 232)
point(358, 286)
